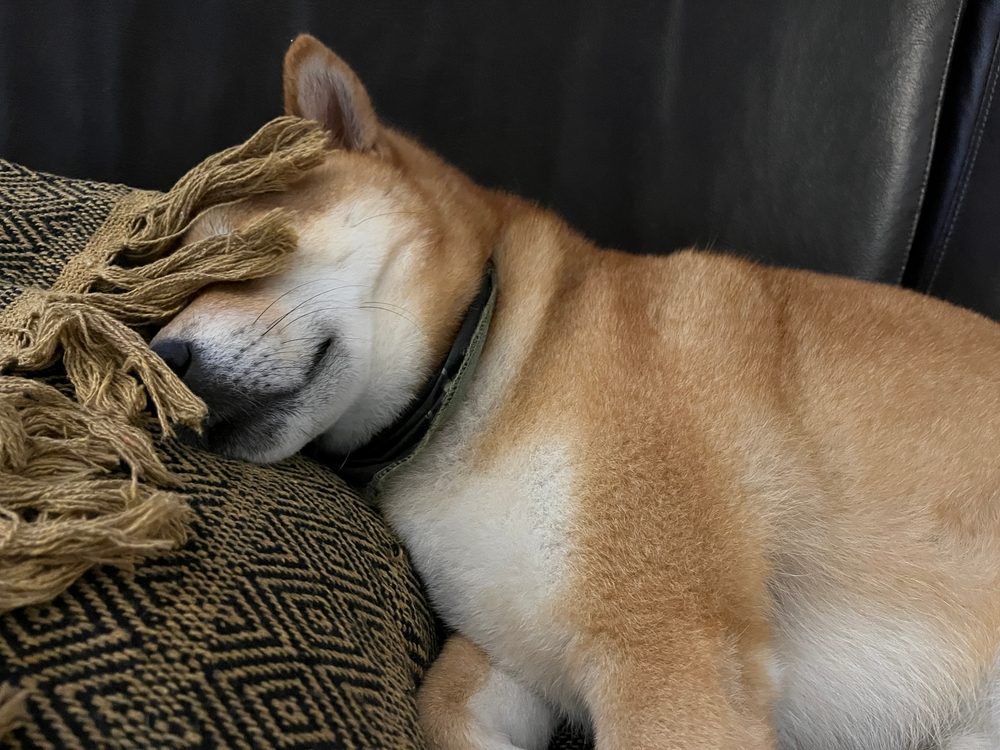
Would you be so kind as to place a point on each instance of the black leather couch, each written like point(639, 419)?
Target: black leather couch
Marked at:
point(849, 136)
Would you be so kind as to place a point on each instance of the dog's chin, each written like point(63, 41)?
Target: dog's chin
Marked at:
point(261, 442)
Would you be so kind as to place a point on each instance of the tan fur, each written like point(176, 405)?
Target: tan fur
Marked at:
point(726, 478)
point(459, 673)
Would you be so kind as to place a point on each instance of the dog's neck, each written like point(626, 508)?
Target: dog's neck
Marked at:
point(397, 443)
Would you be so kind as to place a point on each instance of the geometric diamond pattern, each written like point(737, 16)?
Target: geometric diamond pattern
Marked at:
point(43, 221)
point(272, 627)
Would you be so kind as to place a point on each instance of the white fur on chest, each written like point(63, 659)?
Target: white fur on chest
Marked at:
point(492, 549)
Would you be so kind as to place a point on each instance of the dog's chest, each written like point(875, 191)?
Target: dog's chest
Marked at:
point(492, 548)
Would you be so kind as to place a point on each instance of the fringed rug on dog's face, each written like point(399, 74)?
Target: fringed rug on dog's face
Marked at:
point(289, 618)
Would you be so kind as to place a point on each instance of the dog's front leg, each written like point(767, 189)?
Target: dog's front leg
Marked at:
point(697, 700)
point(466, 703)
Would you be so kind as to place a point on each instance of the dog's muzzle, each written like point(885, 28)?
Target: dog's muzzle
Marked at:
point(243, 416)
point(221, 394)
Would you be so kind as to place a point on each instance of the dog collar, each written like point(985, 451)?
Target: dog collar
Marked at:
point(367, 467)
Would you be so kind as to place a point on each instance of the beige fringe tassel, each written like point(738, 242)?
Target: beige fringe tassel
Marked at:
point(80, 482)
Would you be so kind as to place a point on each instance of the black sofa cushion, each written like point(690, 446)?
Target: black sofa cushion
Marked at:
point(954, 254)
point(795, 133)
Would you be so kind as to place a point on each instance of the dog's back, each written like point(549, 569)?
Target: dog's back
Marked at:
point(773, 488)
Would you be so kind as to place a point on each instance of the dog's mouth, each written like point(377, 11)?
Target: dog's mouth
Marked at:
point(250, 419)
point(318, 359)
point(245, 434)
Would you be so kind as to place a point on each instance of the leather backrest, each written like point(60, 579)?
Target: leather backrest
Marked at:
point(956, 251)
point(795, 133)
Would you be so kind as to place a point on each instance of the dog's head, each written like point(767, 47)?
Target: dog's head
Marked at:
point(392, 245)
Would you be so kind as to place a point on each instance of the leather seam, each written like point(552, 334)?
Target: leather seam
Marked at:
point(970, 163)
point(938, 107)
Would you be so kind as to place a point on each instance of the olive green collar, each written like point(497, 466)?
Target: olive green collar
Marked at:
point(367, 467)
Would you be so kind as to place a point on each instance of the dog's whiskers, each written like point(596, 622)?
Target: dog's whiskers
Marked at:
point(379, 216)
point(401, 311)
point(285, 294)
point(304, 302)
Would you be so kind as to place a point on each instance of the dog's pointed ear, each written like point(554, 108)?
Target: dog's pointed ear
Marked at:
point(320, 86)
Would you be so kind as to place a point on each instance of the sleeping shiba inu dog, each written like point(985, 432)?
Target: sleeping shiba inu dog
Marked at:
point(685, 501)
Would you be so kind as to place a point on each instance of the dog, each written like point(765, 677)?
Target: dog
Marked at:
point(683, 501)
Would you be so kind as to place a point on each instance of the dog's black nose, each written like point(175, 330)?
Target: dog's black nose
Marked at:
point(176, 353)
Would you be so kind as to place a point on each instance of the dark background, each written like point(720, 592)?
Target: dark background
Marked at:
point(848, 136)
